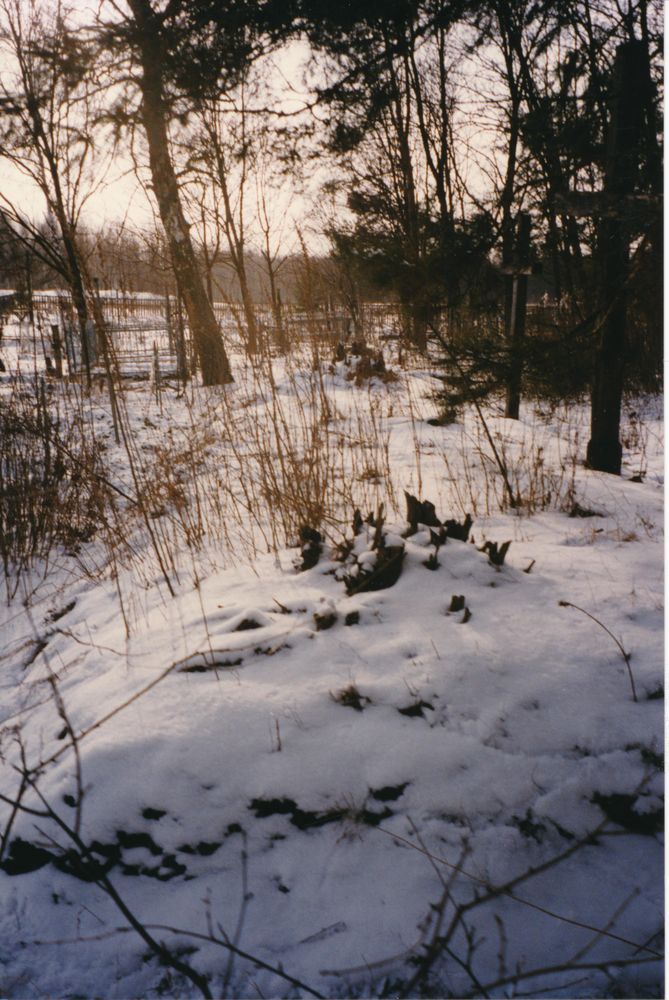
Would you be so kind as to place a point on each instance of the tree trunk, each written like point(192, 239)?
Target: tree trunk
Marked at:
point(202, 321)
point(275, 299)
point(604, 448)
point(78, 298)
point(516, 318)
point(407, 200)
point(420, 314)
point(249, 309)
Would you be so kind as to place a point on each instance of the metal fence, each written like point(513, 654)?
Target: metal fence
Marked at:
point(144, 330)
point(147, 330)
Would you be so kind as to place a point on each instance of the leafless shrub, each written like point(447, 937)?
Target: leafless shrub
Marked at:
point(52, 487)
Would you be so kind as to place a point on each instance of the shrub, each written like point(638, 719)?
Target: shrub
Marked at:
point(51, 486)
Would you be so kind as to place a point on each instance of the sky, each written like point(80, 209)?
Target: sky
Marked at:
point(121, 198)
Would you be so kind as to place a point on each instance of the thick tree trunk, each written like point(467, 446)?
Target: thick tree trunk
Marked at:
point(420, 314)
point(79, 299)
point(604, 448)
point(407, 201)
point(202, 321)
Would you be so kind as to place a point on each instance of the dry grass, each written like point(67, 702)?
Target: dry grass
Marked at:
point(195, 476)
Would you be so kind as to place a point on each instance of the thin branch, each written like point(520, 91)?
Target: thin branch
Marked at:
point(617, 963)
point(626, 656)
point(493, 892)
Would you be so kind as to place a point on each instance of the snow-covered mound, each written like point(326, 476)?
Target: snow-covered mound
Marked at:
point(293, 764)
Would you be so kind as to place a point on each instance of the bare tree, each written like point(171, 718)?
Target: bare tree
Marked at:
point(181, 55)
point(271, 238)
point(46, 90)
point(221, 161)
point(150, 31)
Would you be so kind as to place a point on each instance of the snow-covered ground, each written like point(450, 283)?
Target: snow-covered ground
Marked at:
point(352, 787)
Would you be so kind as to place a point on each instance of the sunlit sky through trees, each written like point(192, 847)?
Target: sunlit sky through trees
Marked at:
point(122, 195)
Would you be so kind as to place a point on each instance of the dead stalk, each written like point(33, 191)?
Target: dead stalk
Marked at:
point(626, 656)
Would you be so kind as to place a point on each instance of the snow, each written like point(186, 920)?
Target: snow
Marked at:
point(234, 783)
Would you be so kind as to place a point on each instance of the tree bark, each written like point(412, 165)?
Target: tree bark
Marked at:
point(516, 318)
point(604, 449)
point(76, 282)
point(204, 328)
point(400, 113)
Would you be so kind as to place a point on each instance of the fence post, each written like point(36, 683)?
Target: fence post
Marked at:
point(156, 376)
point(57, 350)
point(169, 326)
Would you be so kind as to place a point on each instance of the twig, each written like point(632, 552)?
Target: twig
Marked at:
point(481, 991)
point(246, 897)
point(241, 953)
point(114, 711)
point(505, 890)
point(74, 742)
point(618, 963)
point(198, 980)
point(85, 467)
point(626, 656)
point(435, 946)
point(610, 922)
point(16, 806)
